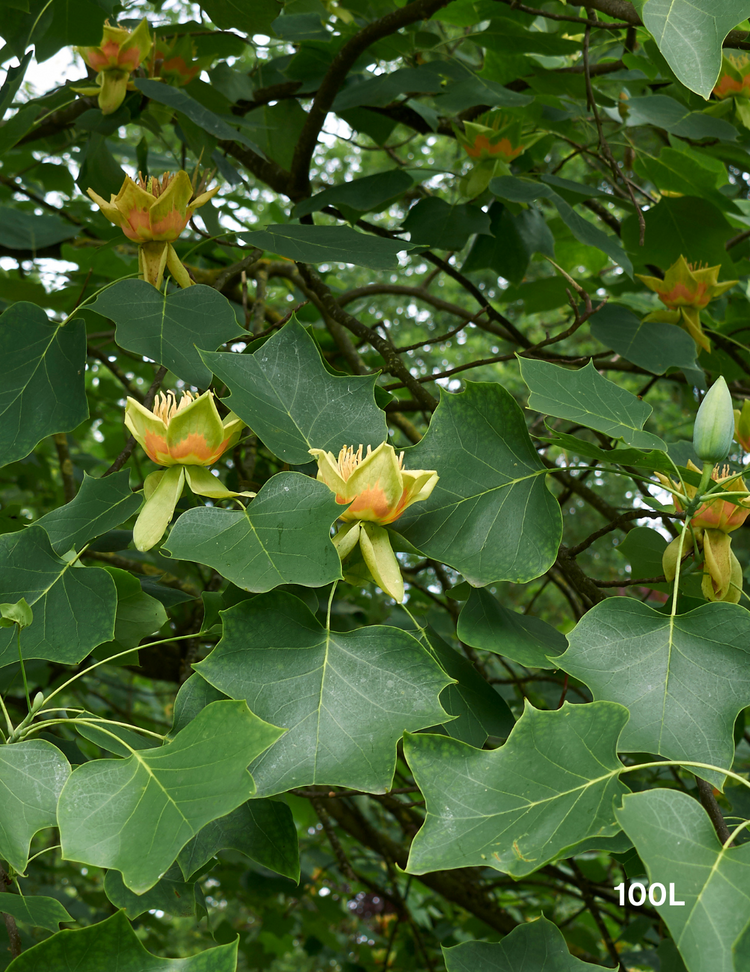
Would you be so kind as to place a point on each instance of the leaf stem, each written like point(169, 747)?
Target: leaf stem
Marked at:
point(23, 669)
point(128, 651)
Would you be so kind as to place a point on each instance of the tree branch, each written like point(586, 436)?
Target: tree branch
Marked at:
point(342, 63)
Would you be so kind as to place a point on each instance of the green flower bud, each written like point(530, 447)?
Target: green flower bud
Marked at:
point(714, 424)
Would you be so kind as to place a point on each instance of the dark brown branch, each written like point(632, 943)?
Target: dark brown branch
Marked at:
point(616, 524)
point(10, 922)
point(70, 487)
point(459, 886)
point(567, 18)
point(342, 63)
point(148, 401)
point(706, 793)
point(394, 365)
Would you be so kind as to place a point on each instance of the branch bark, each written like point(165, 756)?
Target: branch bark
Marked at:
point(342, 63)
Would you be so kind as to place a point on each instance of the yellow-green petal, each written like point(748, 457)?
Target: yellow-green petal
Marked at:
point(381, 561)
point(195, 435)
point(155, 516)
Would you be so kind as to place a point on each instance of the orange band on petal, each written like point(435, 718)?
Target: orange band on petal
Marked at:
point(372, 500)
point(156, 447)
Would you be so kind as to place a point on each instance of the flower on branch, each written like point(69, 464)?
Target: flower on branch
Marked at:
point(172, 60)
point(153, 212)
point(734, 79)
point(184, 436)
point(117, 56)
point(686, 289)
point(376, 490)
point(708, 535)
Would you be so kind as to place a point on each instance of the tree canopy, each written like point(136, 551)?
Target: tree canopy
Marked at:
point(373, 418)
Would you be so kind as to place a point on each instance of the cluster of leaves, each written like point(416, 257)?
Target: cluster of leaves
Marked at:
point(232, 752)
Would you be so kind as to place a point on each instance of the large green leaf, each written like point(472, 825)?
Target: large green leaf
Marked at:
point(690, 33)
point(136, 814)
point(26, 231)
point(42, 390)
point(34, 910)
point(587, 398)
point(491, 515)
point(485, 623)
point(169, 328)
point(171, 894)
point(381, 89)
point(373, 192)
point(676, 841)
point(648, 344)
point(283, 537)
point(683, 679)
point(344, 697)
point(255, 18)
point(537, 946)
point(263, 830)
point(74, 607)
point(99, 506)
point(526, 191)
point(293, 403)
point(664, 112)
point(32, 774)
point(437, 224)
point(138, 615)
point(112, 944)
point(203, 117)
point(550, 787)
point(328, 244)
point(670, 233)
point(478, 709)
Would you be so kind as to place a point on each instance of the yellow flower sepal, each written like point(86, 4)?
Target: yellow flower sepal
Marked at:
point(722, 572)
point(162, 490)
point(377, 554)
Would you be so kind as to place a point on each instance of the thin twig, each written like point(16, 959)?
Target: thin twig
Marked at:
point(148, 401)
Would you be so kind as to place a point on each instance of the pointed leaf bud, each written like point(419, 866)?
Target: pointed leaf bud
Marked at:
point(714, 424)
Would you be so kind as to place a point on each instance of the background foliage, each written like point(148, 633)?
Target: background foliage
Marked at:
point(244, 760)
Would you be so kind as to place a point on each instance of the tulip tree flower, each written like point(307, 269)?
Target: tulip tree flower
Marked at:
point(118, 55)
point(492, 143)
point(185, 437)
point(686, 289)
point(734, 79)
point(708, 535)
point(742, 426)
point(376, 489)
point(153, 212)
point(173, 60)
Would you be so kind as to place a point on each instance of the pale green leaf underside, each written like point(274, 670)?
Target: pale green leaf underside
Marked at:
point(690, 33)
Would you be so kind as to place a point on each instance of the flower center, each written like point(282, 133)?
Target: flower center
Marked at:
point(348, 460)
point(166, 405)
point(153, 185)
